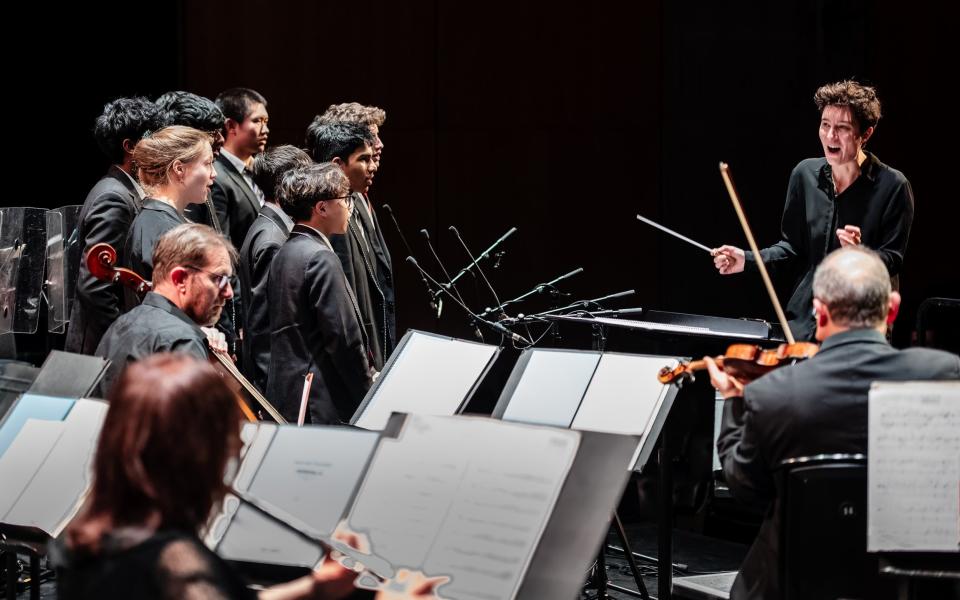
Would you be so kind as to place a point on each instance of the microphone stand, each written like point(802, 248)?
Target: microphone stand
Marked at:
point(433, 303)
point(484, 254)
point(536, 290)
point(584, 303)
point(499, 328)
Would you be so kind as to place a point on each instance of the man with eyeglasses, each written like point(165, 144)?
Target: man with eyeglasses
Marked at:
point(192, 266)
point(314, 318)
point(363, 253)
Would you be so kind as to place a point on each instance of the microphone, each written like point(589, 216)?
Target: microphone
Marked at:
point(449, 284)
point(540, 287)
point(433, 302)
point(479, 269)
point(499, 328)
point(485, 254)
point(584, 303)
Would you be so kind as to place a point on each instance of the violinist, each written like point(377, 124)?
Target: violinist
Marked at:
point(818, 406)
point(191, 281)
point(846, 198)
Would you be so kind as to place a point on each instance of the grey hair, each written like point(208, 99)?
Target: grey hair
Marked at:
point(189, 244)
point(301, 189)
point(854, 284)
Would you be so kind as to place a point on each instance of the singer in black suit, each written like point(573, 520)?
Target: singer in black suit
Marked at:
point(362, 250)
point(264, 238)
point(107, 213)
point(314, 318)
point(818, 406)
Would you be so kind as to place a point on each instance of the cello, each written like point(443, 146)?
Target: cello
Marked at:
point(101, 260)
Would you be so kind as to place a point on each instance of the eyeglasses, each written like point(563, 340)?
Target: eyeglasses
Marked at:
point(222, 281)
point(348, 200)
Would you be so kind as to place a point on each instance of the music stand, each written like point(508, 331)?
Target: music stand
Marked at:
point(590, 390)
point(426, 374)
point(310, 473)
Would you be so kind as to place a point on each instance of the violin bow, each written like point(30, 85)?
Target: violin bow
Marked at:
point(731, 190)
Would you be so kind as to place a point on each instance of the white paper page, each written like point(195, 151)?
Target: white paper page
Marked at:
point(62, 482)
point(432, 376)
point(914, 467)
point(20, 463)
point(464, 497)
point(551, 388)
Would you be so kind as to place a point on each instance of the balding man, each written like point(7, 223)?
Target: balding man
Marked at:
point(818, 406)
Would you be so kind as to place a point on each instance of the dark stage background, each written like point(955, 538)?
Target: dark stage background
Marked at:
point(563, 119)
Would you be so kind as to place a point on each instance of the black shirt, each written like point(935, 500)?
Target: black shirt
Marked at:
point(879, 202)
point(166, 565)
point(156, 325)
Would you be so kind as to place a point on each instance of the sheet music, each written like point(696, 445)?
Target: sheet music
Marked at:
point(914, 467)
point(60, 485)
point(464, 497)
point(552, 386)
point(310, 473)
point(23, 458)
point(416, 383)
point(624, 395)
point(32, 406)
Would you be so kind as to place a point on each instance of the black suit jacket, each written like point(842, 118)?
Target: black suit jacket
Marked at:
point(264, 239)
point(816, 407)
point(314, 327)
point(366, 262)
point(107, 213)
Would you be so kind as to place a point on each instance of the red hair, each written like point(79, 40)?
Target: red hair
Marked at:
point(172, 426)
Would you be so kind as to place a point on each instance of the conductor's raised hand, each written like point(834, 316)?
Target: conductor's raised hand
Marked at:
point(728, 259)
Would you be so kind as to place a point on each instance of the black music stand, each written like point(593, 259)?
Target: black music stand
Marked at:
point(508, 510)
point(426, 374)
point(612, 392)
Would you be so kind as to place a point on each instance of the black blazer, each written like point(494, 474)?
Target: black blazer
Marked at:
point(107, 213)
point(816, 407)
point(264, 239)
point(314, 327)
point(156, 218)
point(366, 262)
point(236, 204)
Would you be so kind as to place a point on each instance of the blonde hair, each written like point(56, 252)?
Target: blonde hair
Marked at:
point(155, 154)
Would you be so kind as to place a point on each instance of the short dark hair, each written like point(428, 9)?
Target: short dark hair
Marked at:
point(124, 119)
point(326, 141)
point(301, 189)
point(860, 99)
point(172, 426)
point(237, 103)
point(191, 110)
point(269, 166)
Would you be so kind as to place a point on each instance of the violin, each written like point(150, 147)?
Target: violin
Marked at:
point(745, 362)
point(101, 261)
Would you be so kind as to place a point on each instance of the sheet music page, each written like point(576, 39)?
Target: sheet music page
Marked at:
point(31, 406)
point(551, 388)
point(464, 497)
point(914, 467)
point(23, 458)
point(415, 384)
point(309, 472)
point(60, 485)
